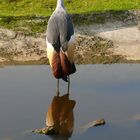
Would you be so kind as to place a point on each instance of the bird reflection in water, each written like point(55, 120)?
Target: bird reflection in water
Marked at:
point(60, 117)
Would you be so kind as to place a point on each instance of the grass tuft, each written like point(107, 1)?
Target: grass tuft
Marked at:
point(46, 7)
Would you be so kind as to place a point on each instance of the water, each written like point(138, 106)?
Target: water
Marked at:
point(111, 92)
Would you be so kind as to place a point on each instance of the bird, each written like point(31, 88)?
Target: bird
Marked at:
point(60, 40)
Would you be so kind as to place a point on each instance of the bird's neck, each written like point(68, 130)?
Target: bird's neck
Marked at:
point(60, 3)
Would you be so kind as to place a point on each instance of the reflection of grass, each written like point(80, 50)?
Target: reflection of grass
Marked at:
point(45, 7)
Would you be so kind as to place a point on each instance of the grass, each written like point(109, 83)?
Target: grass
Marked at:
point(32, 25)
point(26, 25)
point(31, 16)
point(46, 7)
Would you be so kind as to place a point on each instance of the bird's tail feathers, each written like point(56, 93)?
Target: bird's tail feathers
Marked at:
point(56, 66)
point(61, 66)
point(67, 67)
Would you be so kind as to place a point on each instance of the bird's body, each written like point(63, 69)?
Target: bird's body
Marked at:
point(60, 43)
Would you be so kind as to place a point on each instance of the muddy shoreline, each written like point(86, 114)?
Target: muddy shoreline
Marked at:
point(95, 41)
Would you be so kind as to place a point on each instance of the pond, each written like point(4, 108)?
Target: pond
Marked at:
point(111, 92)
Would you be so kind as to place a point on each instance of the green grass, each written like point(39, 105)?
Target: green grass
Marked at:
point(46, 7)
point(31, 16)
point(27, 25)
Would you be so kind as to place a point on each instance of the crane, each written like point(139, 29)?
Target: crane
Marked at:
point(60, 40)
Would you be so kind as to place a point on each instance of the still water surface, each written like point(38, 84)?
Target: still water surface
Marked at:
point(111, 92)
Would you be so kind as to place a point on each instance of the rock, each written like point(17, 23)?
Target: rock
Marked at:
point(99, 122)
point(95, 123)
point(46, 131)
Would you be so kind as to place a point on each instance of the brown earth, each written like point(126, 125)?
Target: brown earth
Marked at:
point(113, 41)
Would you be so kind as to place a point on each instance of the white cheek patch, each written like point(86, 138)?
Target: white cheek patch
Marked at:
point(71, 48)
point(50, 52)
point(72, 40)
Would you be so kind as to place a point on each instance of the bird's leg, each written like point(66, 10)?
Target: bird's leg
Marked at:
point(57, 93)
point(68, 84)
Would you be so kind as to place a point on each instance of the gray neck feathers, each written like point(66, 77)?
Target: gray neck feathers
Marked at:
point(60, 3)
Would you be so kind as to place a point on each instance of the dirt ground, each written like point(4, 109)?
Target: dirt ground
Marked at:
point(126, 40)
point(124, 35)
point(112, 41)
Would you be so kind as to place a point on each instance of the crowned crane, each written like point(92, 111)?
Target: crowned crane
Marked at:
point(60, 44)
